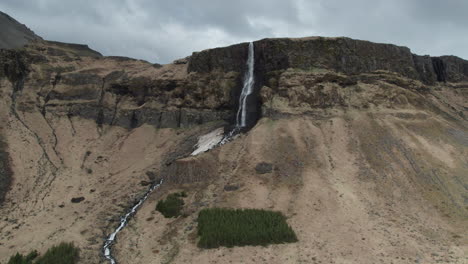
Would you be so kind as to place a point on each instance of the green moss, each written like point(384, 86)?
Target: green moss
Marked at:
point(241, 227)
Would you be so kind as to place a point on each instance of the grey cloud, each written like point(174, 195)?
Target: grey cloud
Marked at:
point(161, 31)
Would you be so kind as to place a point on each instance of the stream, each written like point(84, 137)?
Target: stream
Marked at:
point(107, 248)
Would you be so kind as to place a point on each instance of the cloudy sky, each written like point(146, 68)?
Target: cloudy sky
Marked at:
point(164, 30)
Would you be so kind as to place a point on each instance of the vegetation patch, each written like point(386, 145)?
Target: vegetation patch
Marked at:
point(172, 205)
point(5, 171)
point(64, 253)
point(21, 259)
point(242, 227)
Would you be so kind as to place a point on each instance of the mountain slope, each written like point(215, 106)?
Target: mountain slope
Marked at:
point(13, 34)
point(373, 187)
point(383, 181)
point(367, 143)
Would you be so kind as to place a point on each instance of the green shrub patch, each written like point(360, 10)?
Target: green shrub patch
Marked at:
point(242, 227)
point(20, 259)
point(172, 205)
point(64, 253)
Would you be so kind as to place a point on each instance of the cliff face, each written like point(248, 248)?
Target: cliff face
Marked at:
point(343, 55)
point(306, 60)
point(72, 80)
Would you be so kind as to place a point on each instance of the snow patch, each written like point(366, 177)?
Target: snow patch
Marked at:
point(208, 141)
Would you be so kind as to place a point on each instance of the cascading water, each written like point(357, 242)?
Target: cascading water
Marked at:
point(123, 222)
point(216, 138)
point(247, 89)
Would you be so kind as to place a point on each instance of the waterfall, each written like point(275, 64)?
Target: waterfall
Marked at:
point(247, 89)
point(215, 138)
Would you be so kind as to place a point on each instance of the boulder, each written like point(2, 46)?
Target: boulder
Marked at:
point(77, 199)
point(231, 187)
point(264, 167)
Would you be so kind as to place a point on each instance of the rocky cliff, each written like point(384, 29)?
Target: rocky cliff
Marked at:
point(344, 55)
point(74, 80)
point(295, 70)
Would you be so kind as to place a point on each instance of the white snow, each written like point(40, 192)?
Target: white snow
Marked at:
point(208, 141)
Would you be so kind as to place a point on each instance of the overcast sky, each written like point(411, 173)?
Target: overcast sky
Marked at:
point(164, 30)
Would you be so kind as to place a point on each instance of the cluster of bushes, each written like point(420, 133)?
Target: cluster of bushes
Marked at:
point(20, 259)
point(172, 205)
point(64, 253)
point(241, 227)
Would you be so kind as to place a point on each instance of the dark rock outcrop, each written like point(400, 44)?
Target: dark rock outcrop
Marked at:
point(145, 183)
point(451, 68)
point(163, 103)
point(81, 50)
point(425, 68)
point(182, 61)
point(264, 167)
point(5, 171)
point(128, 118)
point(343, 55)
point(231, 187)
point(439, 69)
point(232, 58)
point(14, 65)
point(77, 199)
